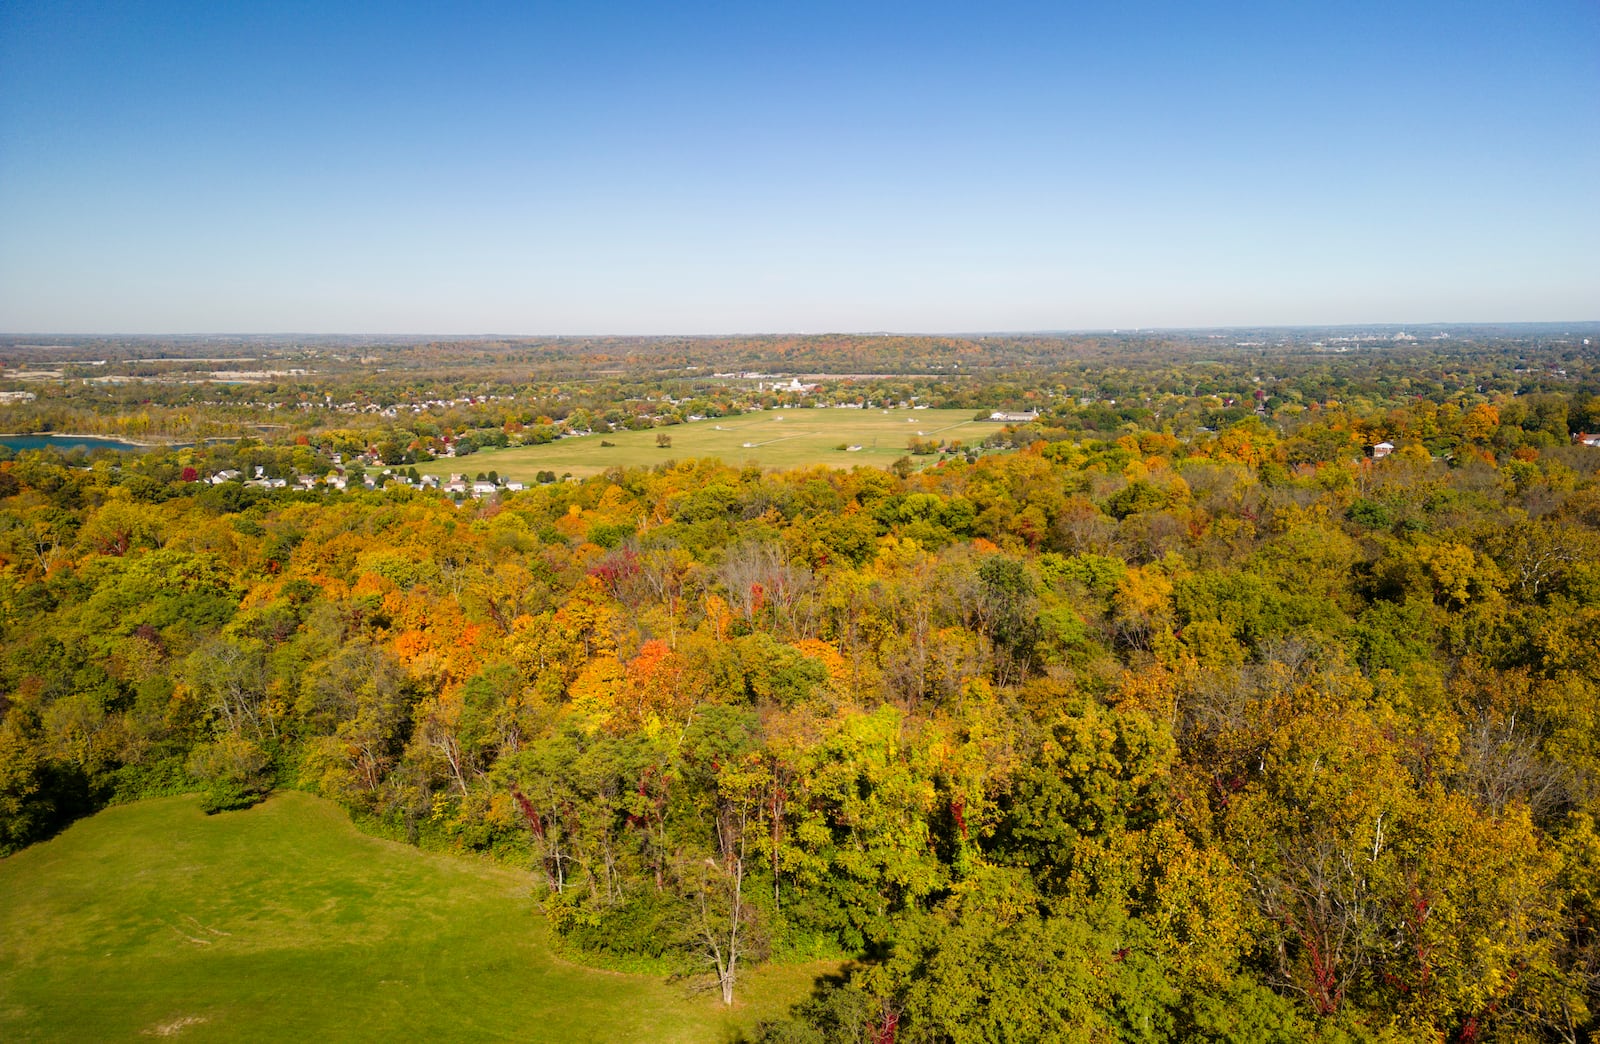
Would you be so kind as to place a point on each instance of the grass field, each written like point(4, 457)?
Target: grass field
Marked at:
point(284, 922)
point(774, 439)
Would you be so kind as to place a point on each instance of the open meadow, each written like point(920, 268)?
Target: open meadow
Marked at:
point(772, 438)
point(283, 922)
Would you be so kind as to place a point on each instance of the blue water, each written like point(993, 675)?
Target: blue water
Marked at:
point(65, 443)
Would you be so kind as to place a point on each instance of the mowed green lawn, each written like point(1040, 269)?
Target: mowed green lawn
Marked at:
point(776, 439)
point(284, 922)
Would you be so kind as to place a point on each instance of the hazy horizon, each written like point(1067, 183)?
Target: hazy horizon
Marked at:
point(437, 335)
point(700, 171)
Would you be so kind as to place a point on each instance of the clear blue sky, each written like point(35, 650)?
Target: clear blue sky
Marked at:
point(674, 168)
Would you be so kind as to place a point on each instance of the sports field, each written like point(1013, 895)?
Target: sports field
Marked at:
point(773, 438)
point(283, 922)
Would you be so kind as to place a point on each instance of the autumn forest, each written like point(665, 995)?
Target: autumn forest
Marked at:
point(1237, 691)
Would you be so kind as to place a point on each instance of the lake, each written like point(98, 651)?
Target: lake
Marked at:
point(66, 443)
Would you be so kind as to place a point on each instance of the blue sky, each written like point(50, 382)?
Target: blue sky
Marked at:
point(708, 168)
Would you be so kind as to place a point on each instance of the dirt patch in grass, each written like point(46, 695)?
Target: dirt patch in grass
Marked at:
point(175, 1027)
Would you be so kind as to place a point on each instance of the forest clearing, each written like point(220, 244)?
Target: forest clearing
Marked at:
point(283, 922)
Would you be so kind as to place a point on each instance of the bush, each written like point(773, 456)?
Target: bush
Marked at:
point(835, 1012)
point(236, 771)
point(229, 797)
point(647, 925)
